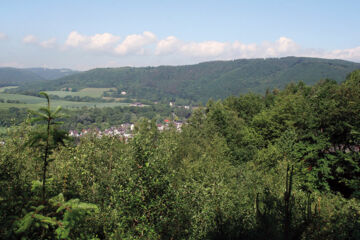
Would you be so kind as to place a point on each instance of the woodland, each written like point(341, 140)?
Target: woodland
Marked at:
point(189, 83)
point(283, 165)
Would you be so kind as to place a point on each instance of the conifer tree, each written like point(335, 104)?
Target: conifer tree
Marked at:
point(47, 136)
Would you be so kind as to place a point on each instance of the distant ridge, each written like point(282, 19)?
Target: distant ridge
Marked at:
point(51, 74)
point(199, 82)
point(13, 76)
point(17, 76)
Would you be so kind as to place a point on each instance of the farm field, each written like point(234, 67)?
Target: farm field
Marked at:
point(2, 89)
point(86, 92)
point(32, 102)
point(115, 99)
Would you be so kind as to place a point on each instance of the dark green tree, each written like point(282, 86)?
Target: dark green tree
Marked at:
point(47, 136)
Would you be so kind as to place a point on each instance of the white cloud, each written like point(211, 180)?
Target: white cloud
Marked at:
point(350, 54)
point(285, 44)
point(226, 50)
point(132, 44)
point(30, 39)
point(75, 39)
point(95, 42)
point(99, 41)
point(204, 49)
point(3, 36)
point(238, 46)
point(146, 49)
point(172, 45)
point(148, 44)
point(50, 43)
point(168, 45)
point(135, 43)
point(282, 47)
point(241, 50)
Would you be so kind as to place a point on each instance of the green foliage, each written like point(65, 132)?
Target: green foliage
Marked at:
point(282, 166)
point(66, 224)
point(200, 82)
point(47, 137)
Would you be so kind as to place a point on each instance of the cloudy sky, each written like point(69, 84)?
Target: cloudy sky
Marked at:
point(102, 33)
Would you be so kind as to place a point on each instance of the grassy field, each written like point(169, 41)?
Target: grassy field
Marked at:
point(86, 92)
point(21, 98)
point(2, 89)
point(33, 103)
point(115, 99)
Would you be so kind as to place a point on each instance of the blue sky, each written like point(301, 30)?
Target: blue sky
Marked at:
point(87, 34)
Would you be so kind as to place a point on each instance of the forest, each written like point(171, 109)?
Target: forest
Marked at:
point(198, 82)
point(283, 165)
point(10, 76)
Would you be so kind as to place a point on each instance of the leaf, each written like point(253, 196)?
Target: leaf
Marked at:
point(58, 109)
point(39, 208)
point(25, 223)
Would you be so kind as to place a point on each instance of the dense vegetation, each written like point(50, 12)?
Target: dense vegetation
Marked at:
point(52, 74)
point(15, 76)
point(281, 166)
point(200, 82)
point(101, 118)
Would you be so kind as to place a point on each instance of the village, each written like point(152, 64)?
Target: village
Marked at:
point(123, 131)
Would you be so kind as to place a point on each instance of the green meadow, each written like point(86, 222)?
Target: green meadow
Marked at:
point(2, 89)
point(86, 92)
point(32, 102)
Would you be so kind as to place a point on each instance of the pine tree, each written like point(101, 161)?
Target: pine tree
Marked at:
point(47, 136)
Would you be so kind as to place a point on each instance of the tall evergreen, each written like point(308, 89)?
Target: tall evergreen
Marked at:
point(47, 136)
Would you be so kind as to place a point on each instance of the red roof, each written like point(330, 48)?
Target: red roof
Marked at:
point(167, 120)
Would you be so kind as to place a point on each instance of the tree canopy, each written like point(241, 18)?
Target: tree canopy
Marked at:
point(285, 165)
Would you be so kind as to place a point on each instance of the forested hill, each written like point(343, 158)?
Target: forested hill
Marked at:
point(202, 81)
point(16, 76)
point(51, 74)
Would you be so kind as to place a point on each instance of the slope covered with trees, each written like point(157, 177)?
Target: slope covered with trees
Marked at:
point(203, 81)
point(16, 76)
point(285, 165)
point(51, 73)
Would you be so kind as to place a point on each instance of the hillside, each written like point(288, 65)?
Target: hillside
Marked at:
point(16, 76)
point(206, 80)
point(51, 74)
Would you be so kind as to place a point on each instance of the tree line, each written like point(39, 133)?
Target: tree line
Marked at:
point(85, 118)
